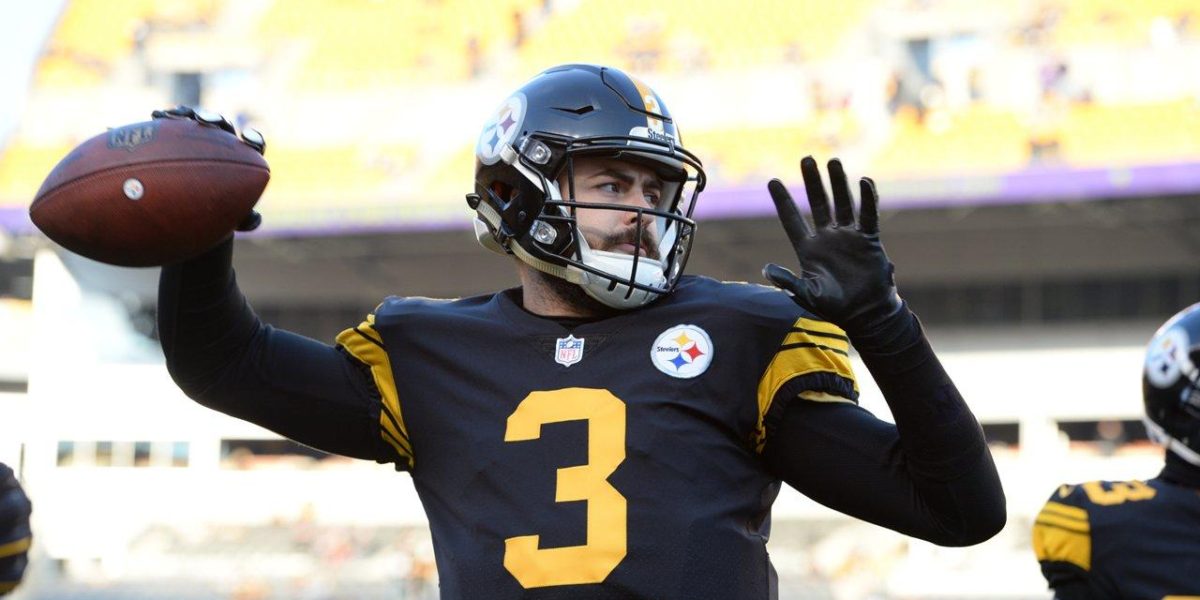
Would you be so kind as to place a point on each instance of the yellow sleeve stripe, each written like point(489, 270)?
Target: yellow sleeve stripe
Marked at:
point(365, 344)
point(8, 586)
point(1063, 522)
point(1063, 533)
point(809, 347)
point(824, 327)
point(15, 547)
point(1071, 512)
point(1051, 543)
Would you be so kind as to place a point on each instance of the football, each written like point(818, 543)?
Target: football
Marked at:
point(150, 193)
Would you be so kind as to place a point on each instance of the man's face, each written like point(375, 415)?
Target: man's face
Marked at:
point(611, 181)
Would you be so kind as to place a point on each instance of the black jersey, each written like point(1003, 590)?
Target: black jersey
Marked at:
point(615, 459)
point(1122, 539)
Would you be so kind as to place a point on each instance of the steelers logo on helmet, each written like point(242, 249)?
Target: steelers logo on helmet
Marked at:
point(654, 128)
point(500, 131)
point(683, 351)
point(1167, 358)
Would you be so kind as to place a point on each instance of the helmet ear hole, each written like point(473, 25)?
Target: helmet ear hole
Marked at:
point(502, 190)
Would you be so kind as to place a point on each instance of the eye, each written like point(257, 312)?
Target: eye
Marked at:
point(611, 187)
point(651, 198)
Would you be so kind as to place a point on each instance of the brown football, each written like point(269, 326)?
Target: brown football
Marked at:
point(150, 193)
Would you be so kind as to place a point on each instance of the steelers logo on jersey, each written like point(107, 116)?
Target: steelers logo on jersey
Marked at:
point(683, 351)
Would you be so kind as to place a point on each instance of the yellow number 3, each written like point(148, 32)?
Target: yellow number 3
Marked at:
point(606, 523)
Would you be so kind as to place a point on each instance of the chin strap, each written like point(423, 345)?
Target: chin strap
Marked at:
point(571, 275)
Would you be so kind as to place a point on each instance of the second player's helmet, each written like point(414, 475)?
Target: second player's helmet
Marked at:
point(524, 156)
point(1171, 384)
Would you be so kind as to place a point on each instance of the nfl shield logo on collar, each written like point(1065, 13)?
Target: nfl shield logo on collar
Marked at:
point(568, 350)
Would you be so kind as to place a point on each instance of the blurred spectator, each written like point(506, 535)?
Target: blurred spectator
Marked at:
point(975, 85)
point(1185, 24)
point(1045, 128)
point(474, 57)
point(643, 44)
point(519, 32)
point(689, 53)
point(1111, 435)
point(1053, 76)
point(1038, 29)
point(898, 94)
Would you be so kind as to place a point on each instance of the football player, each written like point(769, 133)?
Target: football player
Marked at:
point(1138, 539)
point(612, 428)
point(14, 530)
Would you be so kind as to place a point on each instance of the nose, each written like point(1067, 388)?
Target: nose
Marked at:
point(632, 216)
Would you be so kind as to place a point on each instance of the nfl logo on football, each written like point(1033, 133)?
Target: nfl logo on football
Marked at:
point(568, 350)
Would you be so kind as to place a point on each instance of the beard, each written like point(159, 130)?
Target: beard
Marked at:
point(572, 294)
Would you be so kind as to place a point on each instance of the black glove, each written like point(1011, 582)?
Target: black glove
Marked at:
point(250, 137)
point(846, 277)
point(14, 530)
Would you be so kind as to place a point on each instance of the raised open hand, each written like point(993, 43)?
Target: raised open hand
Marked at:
point(846, 277)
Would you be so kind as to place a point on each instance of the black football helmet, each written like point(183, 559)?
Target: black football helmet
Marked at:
point(1171, 384)
point(526, 149)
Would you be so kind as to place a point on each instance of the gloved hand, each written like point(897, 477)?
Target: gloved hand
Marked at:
point(250, 137)
point(14, 530)
point(846, 277)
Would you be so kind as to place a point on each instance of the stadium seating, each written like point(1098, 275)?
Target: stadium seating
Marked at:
point(977, 140)
point(360, 48)
point(356, 44)
point(93, 36)
point(22, 167)
point(1162, 132)
point(683, 35)
point(1113, 22)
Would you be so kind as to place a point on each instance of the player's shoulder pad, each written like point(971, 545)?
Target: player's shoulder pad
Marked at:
point(745, 300)
point(1070, 494)
point(1062, 531)
point(1092, 495)
point(408, 306)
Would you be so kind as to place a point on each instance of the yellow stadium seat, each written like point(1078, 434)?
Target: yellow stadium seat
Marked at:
point(677, 35)
point(976, 140)
point(22, 169)
point(1100, 135)
point(91, 36)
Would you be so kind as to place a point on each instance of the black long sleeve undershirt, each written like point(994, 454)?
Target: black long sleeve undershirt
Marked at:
point(222, 356)
point(930, 475)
